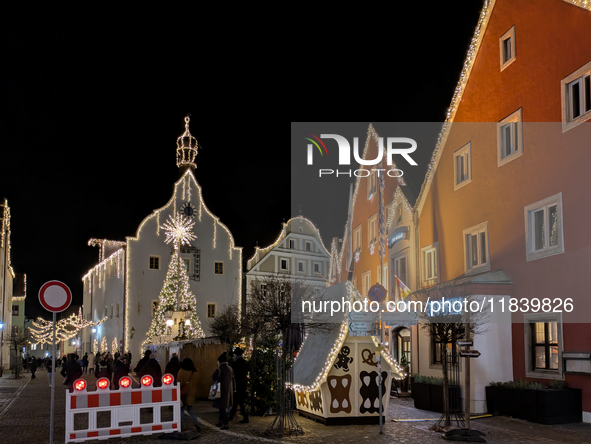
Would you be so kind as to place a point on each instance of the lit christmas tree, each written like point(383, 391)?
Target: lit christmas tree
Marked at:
point(175, 295)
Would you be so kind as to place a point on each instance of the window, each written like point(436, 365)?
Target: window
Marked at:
point(399, 214)
point(15, 310)
point(372, 184)
point(308, 246)
point(438, 348)
point(509, 138)
point(476, 250)
point(117, 309)
point(357, 238)
point(111, 311)
point(154, 307)
point(292, 244)
point(543, 345)
point(218, 268)
point(365, 283)
point(301, 267)
point(463, 166)
point(430, 257)
point(372, 233)
point(576, 97)
point(283, 264)
point(543, 228)
point(211, 309)
point(507, 48)
point(187, 264)
point(316, 268)
point(263, 289)
point(154, 262)
point(400, 270)
point(14, 330)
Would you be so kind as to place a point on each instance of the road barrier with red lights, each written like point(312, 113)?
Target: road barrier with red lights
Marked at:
point(125, 412)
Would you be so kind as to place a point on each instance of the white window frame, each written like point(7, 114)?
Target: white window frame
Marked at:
point(509, 35)
point(150, 260)
point(215, 309)
point(566, 94)
point(357, 238)
point(365, 283)
point(465, 153)
point(303, 266)
point(530, 252)
point(372, 229)
point(468, 233)
point(223, 268)
point(514, 122)
point(396, 267)
point(372, 184)
point(286, 264)
point(528, 319)
point(425, 251)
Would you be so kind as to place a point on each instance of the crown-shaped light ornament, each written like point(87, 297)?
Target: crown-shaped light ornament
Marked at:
point(186, 148)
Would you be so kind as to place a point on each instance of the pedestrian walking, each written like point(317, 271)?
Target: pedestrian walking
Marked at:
point(240, 368)
point(33, 367)
point(91, 363)
point(187, 377)
point(142, 362)
point(48, 366)
point(225, 376)
point(153, 369)
point(71, 371)
point(173, 366)
point(120, 369)
point(85, 363)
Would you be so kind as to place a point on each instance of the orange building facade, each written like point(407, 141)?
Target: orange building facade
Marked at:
point(508, 187)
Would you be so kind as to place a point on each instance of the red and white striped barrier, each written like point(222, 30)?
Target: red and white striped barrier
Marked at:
point(105, 413)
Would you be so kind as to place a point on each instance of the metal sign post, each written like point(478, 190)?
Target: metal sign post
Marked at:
point(54, 296)
point(377, 293)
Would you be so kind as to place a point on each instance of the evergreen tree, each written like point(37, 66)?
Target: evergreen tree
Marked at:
point(175, 289)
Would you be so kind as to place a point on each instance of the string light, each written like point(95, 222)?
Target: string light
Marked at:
point(259, 253)
point(585, 4)
point(186, 150)
point(114, 346)
point(104, 344)
point(5, 238)
point(42, 330)
point(95, 346)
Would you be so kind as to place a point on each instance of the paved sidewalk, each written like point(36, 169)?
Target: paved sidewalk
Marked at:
point(24, 419)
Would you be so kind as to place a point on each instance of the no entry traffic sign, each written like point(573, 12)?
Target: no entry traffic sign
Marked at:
point(55, 296)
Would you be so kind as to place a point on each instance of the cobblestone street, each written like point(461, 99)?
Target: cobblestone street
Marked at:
point(25, 410)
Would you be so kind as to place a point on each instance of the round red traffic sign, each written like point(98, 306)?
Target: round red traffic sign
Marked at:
point(377, 293)
point(55, 296)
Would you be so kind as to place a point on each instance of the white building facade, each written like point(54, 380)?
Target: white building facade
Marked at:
point(125, 285)
point(298, 253)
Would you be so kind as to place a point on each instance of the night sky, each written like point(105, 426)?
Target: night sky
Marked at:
point(90, 113)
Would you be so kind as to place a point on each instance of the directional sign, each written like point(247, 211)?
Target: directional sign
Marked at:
point(377, 293)
point(462, 343)
point(469, 354)
point(361, 326)
point(55, 296)
point(362, 316)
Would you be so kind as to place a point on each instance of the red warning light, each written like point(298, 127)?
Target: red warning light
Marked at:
point(167, 379)
point(80, 384)
point(102, 383)
point(125, 382)
point(146, 380)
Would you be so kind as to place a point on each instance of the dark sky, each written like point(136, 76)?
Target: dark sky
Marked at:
point(90, 113)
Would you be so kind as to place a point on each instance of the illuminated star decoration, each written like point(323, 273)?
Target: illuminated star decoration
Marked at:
point(372, 248)
point(357, 257)
point(179, 230)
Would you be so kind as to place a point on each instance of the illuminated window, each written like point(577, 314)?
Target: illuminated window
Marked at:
point(544, 228)
point(438, 348)
point(543, 345)
point(218, 268)
point(154, 263)
point(476, 248)
point(211, 309)
point(463, 166)
point(507, 48)
point(509, 138)
point(576, 97)
point(187, 264)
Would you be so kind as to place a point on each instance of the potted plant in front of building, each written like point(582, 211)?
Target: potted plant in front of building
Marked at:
point(559, 404)
point(421, 392)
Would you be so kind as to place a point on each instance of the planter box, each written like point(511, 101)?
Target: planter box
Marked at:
point(540, 406)
point(559, 406)
point(421, 393)
point(430, 397)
